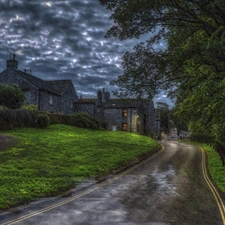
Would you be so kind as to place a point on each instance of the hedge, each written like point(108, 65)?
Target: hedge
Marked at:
point(203, 138)
point(79, 120)
point(11, 119)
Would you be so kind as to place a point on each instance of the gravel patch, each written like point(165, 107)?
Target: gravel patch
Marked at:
point(7, 142)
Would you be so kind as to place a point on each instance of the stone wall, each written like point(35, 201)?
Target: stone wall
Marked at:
point(45, 104)
point(88, 108)
point(114, 117)
point(69, 96)
point(149, 116)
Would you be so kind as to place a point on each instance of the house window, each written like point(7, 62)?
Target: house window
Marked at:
point(71, 104)
point(124, 126)
point(50, 99)
point(124, 112)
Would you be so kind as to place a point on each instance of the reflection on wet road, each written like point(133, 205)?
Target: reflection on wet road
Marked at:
point(168, 189)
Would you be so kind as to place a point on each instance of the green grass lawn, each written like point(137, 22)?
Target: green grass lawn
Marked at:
point(214, 164)
point(216, 169)
point(46, 162)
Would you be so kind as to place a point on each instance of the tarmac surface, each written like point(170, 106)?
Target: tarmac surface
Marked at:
point(167, 188)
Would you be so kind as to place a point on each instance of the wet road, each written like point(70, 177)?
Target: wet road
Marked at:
point(167, 189)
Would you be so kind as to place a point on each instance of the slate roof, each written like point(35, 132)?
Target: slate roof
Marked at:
point(86, 101)
point(111, 103)
point(59, 85)
point(56, 87)
point(122, 103)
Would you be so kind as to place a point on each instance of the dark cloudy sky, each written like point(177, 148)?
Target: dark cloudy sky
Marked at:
point(63, 40)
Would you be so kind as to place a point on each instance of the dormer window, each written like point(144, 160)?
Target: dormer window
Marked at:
point(124, 112)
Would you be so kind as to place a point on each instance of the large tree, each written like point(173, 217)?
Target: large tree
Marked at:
point(193, 32)
point(163, 113)
point(191, 66)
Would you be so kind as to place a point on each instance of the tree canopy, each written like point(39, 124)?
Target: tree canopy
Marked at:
point(163, 112)
point(193, 32)
point(191, 66)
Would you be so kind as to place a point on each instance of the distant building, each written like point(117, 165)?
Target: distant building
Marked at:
point(52, 96)
point(173, 134)
point(131, 115)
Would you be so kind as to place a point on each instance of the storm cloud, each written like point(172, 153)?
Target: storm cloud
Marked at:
point(62, 40)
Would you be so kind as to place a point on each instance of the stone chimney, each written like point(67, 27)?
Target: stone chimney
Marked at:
point(28, 71)
point(99, 93)
point(107, 95)
point(103, 96)
point(12, 62)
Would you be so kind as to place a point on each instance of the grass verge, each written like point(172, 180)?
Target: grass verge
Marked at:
point(48, 161)
point(215, 167)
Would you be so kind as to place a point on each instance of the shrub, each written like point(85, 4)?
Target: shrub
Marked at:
point(11, 96)
point(203, 138)
point(86, 121)
point(43, 121)
point(29, 107)
point(79, 120)
point(55, 118)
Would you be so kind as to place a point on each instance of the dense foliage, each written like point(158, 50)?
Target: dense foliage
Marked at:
point(18, 118)
point(168, 120)
point(191, 64)
point(163, 113)
point(11, 96)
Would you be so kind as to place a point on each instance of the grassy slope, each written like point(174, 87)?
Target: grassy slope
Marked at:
point(214, 163)
point(49, 161)
point(215, 166)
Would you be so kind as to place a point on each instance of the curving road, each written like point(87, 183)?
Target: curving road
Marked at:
point(168, 188)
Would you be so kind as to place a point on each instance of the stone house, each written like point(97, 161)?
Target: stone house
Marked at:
point(52, 96)
point(131, 115)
